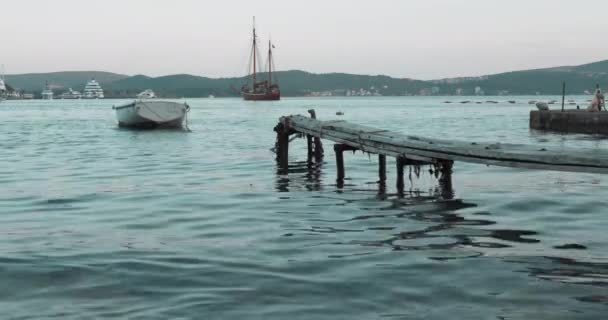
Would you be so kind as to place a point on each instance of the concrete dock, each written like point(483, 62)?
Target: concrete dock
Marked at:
point(570, 121)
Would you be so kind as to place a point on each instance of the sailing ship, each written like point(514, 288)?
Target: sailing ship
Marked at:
point(264, 89)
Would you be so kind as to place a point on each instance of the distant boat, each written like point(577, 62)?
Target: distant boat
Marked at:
point(3, 90)
point(47, 93)
point(70, 94)
point(265, 89)
point(146, 94)
point(144, 113)
point(93, 90)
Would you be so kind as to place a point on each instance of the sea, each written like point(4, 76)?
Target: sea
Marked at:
point(99, 222)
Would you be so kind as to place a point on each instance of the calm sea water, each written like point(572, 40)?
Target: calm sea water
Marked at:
point(102, 222)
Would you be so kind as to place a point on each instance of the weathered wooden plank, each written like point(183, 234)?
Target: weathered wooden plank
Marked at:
point(395, 144)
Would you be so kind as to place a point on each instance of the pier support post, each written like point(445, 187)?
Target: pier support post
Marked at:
point(318, 150)
point(339, 149)
point(445, 180)
point(382, 169)
point(310, 147)
point(283, 131)
point(400, 182)
point(339, 162)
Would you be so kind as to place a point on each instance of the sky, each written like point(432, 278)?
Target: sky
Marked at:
point(422, 39)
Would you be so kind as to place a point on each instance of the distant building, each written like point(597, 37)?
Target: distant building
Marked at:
point(435, 90)
point(459, 92)
point(479, 91)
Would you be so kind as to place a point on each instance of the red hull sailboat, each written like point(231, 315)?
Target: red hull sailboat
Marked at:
point(264, 89)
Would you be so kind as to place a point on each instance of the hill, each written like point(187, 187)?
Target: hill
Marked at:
point(527, 82)
point(60, 80)
point(293, 83)
point(300, 83)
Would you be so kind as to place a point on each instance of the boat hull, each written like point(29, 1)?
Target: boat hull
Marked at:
point(261, 96)
point(151, 114)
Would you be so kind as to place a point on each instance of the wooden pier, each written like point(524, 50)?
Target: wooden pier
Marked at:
point(412, 150)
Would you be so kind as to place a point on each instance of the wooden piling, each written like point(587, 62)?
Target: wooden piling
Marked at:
point(339, 162)
point(339, 149)
point(382, 169)
point(283, 131)
point(310, 147)
point(317, 141)
point(400, 175)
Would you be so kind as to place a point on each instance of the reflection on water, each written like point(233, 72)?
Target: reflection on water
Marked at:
point(447, 235)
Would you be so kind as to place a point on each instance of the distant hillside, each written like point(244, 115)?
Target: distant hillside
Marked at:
point(60, 80)
point(299, 83)
point(544, 81)
point(180, 85)
point(293, 83)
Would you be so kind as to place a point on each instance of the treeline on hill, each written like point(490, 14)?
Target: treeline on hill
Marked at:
point(299, 83)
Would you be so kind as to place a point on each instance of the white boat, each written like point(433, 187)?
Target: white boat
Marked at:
point(70, 94)
point(151, 114)
point(93, 90)
point(47, 93)
point(3, 90)
point(146, 94)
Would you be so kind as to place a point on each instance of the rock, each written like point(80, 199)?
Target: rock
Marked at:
point(542, 106)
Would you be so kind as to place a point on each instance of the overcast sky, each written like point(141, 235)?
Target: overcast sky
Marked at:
point(422, 39)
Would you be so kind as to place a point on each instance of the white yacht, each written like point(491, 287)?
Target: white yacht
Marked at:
point(93, 90)
point(146, 94)
point(70, 94)
point(2, 89)
point(47, 93)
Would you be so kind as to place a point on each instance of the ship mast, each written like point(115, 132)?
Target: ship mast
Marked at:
point(269, 63)
point(254, 50)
